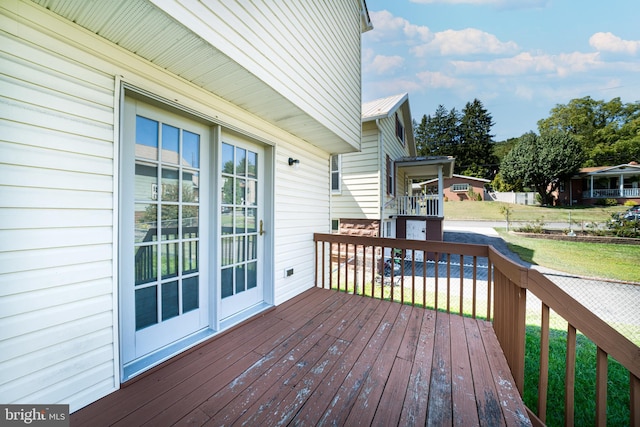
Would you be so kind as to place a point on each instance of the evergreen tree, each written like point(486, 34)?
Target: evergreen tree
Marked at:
point(475, 152)
point(437, 135)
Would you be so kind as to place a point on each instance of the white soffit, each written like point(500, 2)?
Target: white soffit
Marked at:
point(145, 30)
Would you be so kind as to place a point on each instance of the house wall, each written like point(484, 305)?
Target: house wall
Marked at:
point(360, 187)
point(59, 176)
point(279, 42)
point(477, 186)
point(395, 149)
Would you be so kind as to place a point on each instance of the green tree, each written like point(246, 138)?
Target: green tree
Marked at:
point(542, 162)
point(475, 150)
point(608, 131)
point(437, 135)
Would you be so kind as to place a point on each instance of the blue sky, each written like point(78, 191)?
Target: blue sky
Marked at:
point(519, 57)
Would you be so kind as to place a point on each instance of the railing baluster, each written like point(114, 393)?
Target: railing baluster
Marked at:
point(355, 269)
point(448, 283)
point(543, 380)
point(338, 269)
point(392, 274)
point(413, 278)
point(402, 258)
point(461, 284)
point(634, 385)
point(601, 387)
point(489, 287)
point(570, 377)
point(474, 296)
point(437, 273)
point(373, 271)
point(424, 278)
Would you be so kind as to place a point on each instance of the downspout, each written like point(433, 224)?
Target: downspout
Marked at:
point(382, 168)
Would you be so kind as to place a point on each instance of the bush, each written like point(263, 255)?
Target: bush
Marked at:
point(606, 202)
point(536, 227)
point(630, 203)
point(620, 227)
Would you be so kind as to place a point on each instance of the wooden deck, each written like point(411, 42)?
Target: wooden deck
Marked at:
point(329, 358)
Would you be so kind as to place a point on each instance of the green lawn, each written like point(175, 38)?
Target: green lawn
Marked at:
point(490, 211)
point(601, 260)
point(609, 261)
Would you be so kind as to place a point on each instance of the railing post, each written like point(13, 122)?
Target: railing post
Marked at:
point(634, 400)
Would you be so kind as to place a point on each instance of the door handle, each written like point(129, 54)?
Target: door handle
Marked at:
point(261, 228)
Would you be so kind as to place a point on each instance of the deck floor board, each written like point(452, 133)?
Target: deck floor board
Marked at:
point(327, 357)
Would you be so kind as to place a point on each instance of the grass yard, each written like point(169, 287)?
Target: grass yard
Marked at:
point(617, 383)
point(490, 211)
point(618, 262)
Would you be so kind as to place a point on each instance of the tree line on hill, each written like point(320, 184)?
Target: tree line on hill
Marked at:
point(585, 132)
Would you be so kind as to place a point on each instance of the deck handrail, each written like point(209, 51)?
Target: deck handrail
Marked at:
point(508, 284)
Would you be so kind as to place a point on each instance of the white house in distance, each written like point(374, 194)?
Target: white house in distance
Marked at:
point(148, 193)
point(372, 189)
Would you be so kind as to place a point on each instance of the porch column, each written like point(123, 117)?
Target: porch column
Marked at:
point(591, 188)
point(621, 180)
point(440, 193)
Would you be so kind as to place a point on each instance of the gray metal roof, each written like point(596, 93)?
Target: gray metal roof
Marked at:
point(383, 107)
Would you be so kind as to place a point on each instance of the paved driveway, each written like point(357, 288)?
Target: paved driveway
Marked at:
point(616, 303)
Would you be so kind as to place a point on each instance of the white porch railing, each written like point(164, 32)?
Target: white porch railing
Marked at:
point(616, 192)
point(425, 205)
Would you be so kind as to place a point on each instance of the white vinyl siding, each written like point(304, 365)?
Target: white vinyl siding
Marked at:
point(302, 208)
point(360, 195)
point(58, 295)
point(56, 233)
point(308, 51)
point(395, 150)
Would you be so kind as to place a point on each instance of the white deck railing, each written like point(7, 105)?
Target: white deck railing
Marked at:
point(425, 205)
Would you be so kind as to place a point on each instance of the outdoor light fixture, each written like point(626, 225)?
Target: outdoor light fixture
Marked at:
point(294, 162)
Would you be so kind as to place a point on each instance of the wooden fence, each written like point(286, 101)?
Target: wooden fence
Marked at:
point(445, 276)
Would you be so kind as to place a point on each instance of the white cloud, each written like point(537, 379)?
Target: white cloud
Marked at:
point(608, 42)
point(436, 79)
point(382, 64)
point(465, 42)
point(508, 4)
point(526, 63)
point(386, 26)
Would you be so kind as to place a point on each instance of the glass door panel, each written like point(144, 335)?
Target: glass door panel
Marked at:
point(239, 227)
point(166, 221)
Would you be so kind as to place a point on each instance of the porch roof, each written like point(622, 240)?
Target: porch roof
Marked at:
point(333, 358)
point(422, 168)
point(624, 169)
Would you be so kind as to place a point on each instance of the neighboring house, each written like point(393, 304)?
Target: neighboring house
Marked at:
point(590, 185)
point(458, 187)
point(148, 197)
point(372, 189)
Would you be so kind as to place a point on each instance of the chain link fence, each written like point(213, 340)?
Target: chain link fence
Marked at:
point(616, 303)
point(459, 284)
